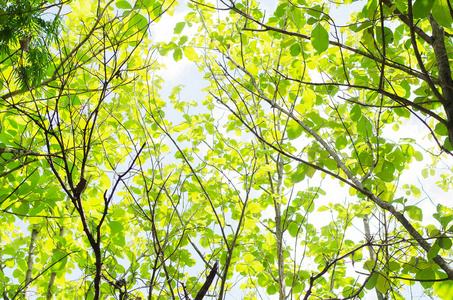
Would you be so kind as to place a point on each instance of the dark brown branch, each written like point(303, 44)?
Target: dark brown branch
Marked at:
point(24, 152)
point(397, 98)
point(418, 55)
point(443, 68)
point(207, 283)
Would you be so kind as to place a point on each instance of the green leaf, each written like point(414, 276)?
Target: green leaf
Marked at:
point(157, 9)
point(254, 208)
point(433, 251)
point(370, 9)
point(371, 283)
point(293, 130)
point(17, 273)
point(59, 260)
point(116, 227)
point(418, 156)
point(448, 145)
point(204, 242)
point(262, 280)
point(426, 274)
point(293, 229)
point(271, 289)
point(444, 242)
point(3, 16)
point(444, 220)
point(123, 5)
point(402, 112)
point(177, 55)
point(388, 35)
point(407, 88)
point(385, 176)
point(310, 171)
point(299, 174)
point(190, 53)
point(320, 38)
point(425, 173)
point(441, 13)
point(393, 266)
point(341, 142)
point(295, 49)
point(183, 40)
point(369, 265)
point(179, 27)
point(441, 129)
point(382, 284)
point(422, 8)
point(356, 113)
point(444, 289)
point(21, 209)
point(280, 10)
point(298, 287)
point(144, 4)
point(13, 123)
point(323, 208)
point(139, 22)
point(287, 42)
point(414, 212)
point(364, 128)
point(330, 163)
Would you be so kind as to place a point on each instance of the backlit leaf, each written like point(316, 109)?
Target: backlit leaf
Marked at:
point(294, 130)
point(123, 4)
point(441, 13)
point(179, 27)
point(444, 289)
point(414, 212)
point(320, 38)
point(382, 284)
point(295, 49)
point(422, 8)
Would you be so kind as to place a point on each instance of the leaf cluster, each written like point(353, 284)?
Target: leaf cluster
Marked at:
point(30, 22)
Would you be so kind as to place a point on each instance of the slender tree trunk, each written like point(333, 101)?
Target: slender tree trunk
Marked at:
point(53, 274)
point(1, 269)
point(366, 225)
point(279, 232)
point(31, 256)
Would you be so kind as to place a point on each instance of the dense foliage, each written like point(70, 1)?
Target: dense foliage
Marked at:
point(294, 177)
point(23, 23)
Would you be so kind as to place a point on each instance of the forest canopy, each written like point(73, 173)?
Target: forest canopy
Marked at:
point(314, 160)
